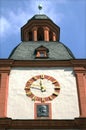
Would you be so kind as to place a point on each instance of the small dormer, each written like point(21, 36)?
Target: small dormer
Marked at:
point(40, 28)
point(41, 52)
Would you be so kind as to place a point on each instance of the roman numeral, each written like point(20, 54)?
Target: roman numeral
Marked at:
point(55, 94)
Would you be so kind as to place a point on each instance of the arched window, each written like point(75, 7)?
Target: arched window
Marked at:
point(50, 36)
point(30, 36)
point(40, 34)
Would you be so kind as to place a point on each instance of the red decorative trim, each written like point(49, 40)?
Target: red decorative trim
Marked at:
point(4, 79)
point(3, 94)
point(81, 86)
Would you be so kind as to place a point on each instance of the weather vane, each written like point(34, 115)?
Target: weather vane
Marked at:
point(40, 8)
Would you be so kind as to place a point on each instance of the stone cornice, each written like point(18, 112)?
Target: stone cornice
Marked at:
point(43, 63)
point(77, 123)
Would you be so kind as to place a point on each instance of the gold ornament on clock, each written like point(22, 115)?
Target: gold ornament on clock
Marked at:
point(42, 88)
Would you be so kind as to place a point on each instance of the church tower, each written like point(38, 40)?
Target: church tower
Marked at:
point(42, 85)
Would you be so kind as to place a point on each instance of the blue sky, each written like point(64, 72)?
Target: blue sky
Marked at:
point(69, 15)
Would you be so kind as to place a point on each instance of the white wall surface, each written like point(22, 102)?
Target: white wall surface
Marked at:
point(65, 106)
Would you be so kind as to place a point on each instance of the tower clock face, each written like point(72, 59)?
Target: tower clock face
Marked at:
point(42, 88)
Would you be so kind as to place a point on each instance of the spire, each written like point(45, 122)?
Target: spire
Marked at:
point(40, 8)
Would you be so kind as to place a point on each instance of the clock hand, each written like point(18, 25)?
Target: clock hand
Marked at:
point(43, 89)
point(35, 87)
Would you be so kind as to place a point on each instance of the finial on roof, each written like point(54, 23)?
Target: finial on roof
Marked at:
point(40, 7)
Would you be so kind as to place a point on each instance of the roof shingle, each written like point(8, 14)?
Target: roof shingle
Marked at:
point(25, 51)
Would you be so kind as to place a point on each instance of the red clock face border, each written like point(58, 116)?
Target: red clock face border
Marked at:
point(44, 99)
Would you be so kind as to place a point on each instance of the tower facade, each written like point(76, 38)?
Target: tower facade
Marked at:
point(42, 82)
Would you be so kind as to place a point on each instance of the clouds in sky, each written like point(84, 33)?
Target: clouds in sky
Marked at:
point(12, 19)
point(68, 14)
point(5, 25)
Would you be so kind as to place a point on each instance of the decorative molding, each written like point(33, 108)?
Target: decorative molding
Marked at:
point(77, 123)
point(5, 69)
point(43, 63)
point(80, 70)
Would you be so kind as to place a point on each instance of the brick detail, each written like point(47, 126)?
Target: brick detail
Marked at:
point(46, 34)
point(34, 33)
point(81, 86)
point(54, 36)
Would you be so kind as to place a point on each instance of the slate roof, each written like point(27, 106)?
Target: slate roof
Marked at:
point(57, 51)
point(40, 16)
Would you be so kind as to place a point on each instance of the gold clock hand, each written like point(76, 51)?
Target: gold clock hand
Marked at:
point(40, 83)
point(35, 85)
point(41, 86)
point(43, 89)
